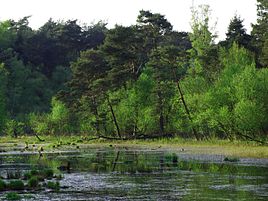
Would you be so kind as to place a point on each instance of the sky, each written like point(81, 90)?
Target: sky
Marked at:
point(125, 12)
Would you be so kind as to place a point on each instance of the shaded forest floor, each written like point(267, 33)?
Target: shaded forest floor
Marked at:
point(66, 143)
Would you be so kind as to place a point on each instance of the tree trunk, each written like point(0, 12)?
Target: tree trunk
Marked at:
point(187, 110)
point(185, 106)
point(161, 116)
point(114, 118)
point(96, 113)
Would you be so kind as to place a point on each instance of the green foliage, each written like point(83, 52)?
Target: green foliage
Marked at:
point(39, 124)
point(7, 35)
point(237, 34)
point(260, 33)
point(3, 99)
point(144, 79)
point(53, 185)
point(14, 128)
point(33, 182)
point(56, 122)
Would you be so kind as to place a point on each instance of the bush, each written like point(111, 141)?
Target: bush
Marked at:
point(14, 128)
point(16, 185)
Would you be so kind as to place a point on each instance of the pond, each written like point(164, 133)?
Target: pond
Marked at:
point(139, 174)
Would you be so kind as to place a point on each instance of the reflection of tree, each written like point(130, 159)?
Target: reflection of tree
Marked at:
point(115, 161)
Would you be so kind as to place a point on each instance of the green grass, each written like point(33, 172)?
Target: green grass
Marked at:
point(213, 146)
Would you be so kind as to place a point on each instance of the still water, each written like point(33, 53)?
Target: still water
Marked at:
point(141, 174)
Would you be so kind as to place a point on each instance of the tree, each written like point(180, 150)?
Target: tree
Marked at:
point(3, 88)
point(154, 26)
point(204, 51)
point(260, 33)
point(123, 51)
point(88, 86)
point(237, 34)
point(7, 35)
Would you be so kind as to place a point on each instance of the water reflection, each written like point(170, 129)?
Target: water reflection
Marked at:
point(120, 174)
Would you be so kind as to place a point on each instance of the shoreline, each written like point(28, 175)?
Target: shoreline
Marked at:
point(212, 147)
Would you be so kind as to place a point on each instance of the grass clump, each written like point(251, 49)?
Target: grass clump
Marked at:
point(53, 185)
point(16, 185)
point(48, 173)
point(3, 185)
point(27, 176)
point(171, 157)
point(33, 182)
point(13, 196)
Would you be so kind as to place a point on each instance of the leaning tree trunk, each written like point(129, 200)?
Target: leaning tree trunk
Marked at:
point(185, 106)
point(114, 118)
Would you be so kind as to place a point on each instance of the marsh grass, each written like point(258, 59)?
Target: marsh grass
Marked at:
point(212, 146)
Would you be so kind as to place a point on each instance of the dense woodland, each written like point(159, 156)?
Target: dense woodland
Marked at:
point(139, 81)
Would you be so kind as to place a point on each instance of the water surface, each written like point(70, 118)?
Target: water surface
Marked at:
point(142, 174)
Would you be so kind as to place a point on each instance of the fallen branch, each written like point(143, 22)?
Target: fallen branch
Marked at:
point(41, 140)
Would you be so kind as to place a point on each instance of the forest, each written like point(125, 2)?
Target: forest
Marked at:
point(140, 81)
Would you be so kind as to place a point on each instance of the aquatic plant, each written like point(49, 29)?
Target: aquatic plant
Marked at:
point(53, 185)
point(171, 157)
point(2, 185)
point(13, 196)
point(33, 182)
point(48, 173)
point(27, 176)
point(16, 185)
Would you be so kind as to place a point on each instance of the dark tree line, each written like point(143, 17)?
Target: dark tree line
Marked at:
point(144, 80)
